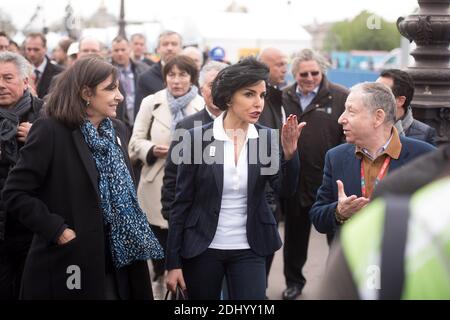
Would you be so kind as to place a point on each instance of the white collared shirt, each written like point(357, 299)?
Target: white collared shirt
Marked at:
point(41, 67)
point(231, 232)
point(380, 151)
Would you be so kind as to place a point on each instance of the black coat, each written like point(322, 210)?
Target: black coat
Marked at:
point(271, 115)
point(195, 211)
point(170, 168)
point(138, 68)
point(150, 82)
point(55, 182)
point(421, 131)
point(46, 78)
point(16, 229)
point(321, 133)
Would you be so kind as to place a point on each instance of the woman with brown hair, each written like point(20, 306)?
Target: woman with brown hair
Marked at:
point(72, 188)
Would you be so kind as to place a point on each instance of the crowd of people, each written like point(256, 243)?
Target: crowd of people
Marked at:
point(110, 159)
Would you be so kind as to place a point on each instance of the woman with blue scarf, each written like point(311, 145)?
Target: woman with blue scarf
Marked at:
point(73, 189)
point(152, 134)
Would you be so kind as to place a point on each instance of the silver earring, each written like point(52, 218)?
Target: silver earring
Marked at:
point(88, 103)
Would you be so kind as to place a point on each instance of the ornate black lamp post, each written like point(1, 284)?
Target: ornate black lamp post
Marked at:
point(122, 22)
point(429, 28)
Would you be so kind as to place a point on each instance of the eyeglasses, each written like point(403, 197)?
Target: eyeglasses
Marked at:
point(312, 73)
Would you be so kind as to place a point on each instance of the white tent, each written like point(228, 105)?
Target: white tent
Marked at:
point(240, 32)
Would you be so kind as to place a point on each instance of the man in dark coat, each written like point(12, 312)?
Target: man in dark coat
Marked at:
point(402, 86)
point(44, 69)
point(273, 116)
point(151, 81)
point(130, 71)
point(18, 109)
point(319, 103)
point(138, 47)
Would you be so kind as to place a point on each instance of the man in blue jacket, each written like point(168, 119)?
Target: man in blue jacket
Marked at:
point(373, 149)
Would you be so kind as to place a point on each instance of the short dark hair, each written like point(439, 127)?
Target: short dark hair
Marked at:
point(120, 39)
point(183, 63)
point(246, 72)
point(3, 34)
point(403, 84)
point(64, 44)
point(39, 35)
point(65, 102)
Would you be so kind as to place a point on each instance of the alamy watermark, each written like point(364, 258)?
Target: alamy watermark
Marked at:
point(264, 151)
point(73, 282)
point(373, 280)
point(373, 22)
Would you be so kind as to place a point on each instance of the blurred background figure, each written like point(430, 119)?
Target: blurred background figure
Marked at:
point(130, 71)
point(59, 54)
point(139, 48)
point(402, 86)
point(4, 42)
point(44, 69)
point(195, 54)
point(72, 53)
point(218, 54)
point(169, 45)
point(88, 46)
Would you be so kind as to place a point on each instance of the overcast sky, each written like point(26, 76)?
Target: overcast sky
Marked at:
point(305, 11)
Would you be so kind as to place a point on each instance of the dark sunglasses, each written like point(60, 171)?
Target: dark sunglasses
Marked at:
point(313, 73)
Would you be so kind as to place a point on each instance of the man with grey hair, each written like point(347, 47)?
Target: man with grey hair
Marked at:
point(151, 81)
point(18, 110)
point(373, 149)
point(318, 102)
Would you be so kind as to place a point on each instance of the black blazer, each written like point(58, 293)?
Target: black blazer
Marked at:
point(170, 168)
point(195, 212)
point(45, 81)
point(55, 182)
point(149, 82)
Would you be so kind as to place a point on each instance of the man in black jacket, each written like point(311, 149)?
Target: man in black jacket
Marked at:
point(273, 116)
point(402, 86)
point(44, 69)
point(319, 103)
point(151, 81)
point(18, 109)
point(130, 71)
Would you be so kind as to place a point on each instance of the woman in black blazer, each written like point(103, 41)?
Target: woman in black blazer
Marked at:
point(72, 187)
point(220, 223)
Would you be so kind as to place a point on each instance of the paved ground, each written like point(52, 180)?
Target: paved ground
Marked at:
point(313, 270)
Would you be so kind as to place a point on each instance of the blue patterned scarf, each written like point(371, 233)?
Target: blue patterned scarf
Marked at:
point(131, 238)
